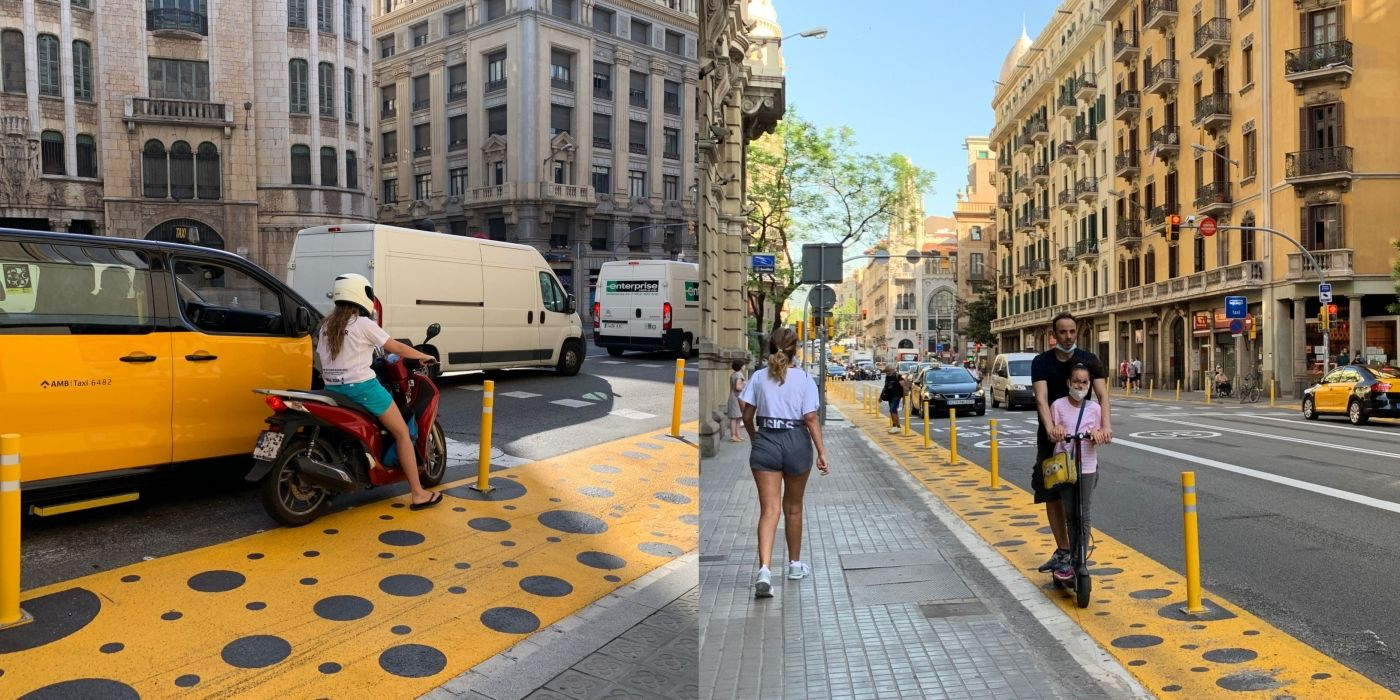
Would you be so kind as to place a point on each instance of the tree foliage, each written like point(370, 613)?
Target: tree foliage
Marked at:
point(980, 314)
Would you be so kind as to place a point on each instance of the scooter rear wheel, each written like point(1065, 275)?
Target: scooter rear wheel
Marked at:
point(289, 500)
point(434, 468)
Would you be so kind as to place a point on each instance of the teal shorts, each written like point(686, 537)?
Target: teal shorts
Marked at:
point(369, 393)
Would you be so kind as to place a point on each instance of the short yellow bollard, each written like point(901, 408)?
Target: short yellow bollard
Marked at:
point(1151, 387)
point(952, 435)
point(11, 615)
point(488, 407)
point(928, 441)
point(1209, 389)
point(677, 397)
point(908, 406)
point(1193, 550)
point(996, 476)
point(1178, 390)
point(1271, 393)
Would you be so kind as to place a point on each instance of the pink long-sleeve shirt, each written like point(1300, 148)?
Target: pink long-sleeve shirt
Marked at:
point(1065, 414)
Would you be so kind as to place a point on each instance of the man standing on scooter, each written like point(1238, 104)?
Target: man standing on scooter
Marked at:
point(1050, 372)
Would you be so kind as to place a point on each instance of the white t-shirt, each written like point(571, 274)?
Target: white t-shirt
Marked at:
point(793, 399)
point(351, 366)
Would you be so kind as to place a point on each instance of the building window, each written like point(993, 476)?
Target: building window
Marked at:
point(563, 9)
point(422, 186)
point(602, 80)
point(637, 183)
point(180, 80)
point(673, 42)
point(600, 230)
point(603, 20)
point(181, 171)
point(422, 139)
point(976, 233)
point(496, 121)
point(325, 16)
point(641, 31)
point(495, 9)
point(671, 188)
point(496, 229)
point(87, 156)
point(422, 93)
point(386, 46)
point(671, 97)
point(1247, 250)
point(1247, 59)
point(637, 89)
point(602, 130)
point(329, 165)
point(301, 165)
point(419, 32)
point(457, 82)
point(498, 173)
point(561, 69)
point(352, 174)
point(52, 143)
point(325, 74)
point(561, 119)
point(349, 95)
point(207, 175)
point(457, 132)
point(457, 181)
point(346, 17)
point(391, 190)
point(672, 143)
point(50, 66)
point(82, 71)
point(637, 137)
point(563, 175)
point(456, 22)
point(296, 71)
point(636, 235)
point(388, 101)
point(1251, 153)
point(457, 228)
point(602, 179)
point(12, 60)
point(496, 71)
point(1200, 253)
point(296, 14)
point(155, 180)
point(559, 232)
point(1322, 226)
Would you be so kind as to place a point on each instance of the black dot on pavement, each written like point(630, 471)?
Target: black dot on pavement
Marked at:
point(687, 481)
point(508, 507)
point(1251, 633)
point(1150, 594)
point(1009, 543)
point(1170, 688)
point(605, 469)
point(547, 586)
point(488, 524)
point(1137, 662)
point(1248, 681)
point(672, 497)
point(386, 517)
point(572, 522)
point(456, 590)
point(459, 509)
point(1198, 627)
point(84, 688)
point(216, 581)
point(509, 564)
point(331, 531)
point(396, 505)
point(612, 579)
point(595, 492)
point(256, 605)
point(660, 549)
point(556, 500)
point(111, 647)
point(1136, 625)
point(507, 543)
point(601, 560)
point(256, 651)
point(386, 555)
point(1106, 571)
point(401, 538)
point(329, 667)
point(189, 680)
point(254, 556)
point(552, 538)
point(510, 620)
point(690, 519)
point(310, 554)
point(1043, 530)
point(412, 661)
point(400, 629)
point(1321, 676)
point(1199, 669)
point(405, 585)
point(1137, 641)
point(172, 615)
point(130, 578)
point(462, 565)
point(1231, 655)
point(308, 581)
point(1189, 647)
point(343, 608)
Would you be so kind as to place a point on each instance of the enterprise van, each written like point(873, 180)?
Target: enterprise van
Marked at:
point(121, 356)
point(499, 303)
point(647, 305)
point(1009, 382)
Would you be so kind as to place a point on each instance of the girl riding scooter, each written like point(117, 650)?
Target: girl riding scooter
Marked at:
point(345, 346)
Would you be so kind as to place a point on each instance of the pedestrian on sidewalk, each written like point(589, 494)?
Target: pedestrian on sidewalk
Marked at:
point(780, 413)
point(892, 393)
point(1050, 375)
point(736, 411)
point(1123, 374)
point(1136, 371)
point(1079, 414)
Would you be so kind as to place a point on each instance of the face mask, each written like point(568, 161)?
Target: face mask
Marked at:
point(1078, 394)
point(1069, 350)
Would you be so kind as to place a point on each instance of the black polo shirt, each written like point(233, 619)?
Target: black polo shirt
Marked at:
point(1047, 367)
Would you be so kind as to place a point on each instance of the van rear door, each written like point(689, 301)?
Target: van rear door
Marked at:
point(319, 257)
point(632, 300)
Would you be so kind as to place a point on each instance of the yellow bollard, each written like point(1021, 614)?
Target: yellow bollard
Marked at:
point(1178, 390)
point(996, 477)
point(488, 407)
point(928, 442)
point(908, 406)
point(1271, 393)
point(11, 615)
point(1193, 550)
point(1208, 388)
point(1151, 386)
point(677, 398)
point(952, 435)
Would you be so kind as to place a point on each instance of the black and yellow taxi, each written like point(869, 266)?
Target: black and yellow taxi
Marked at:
point(120, 356)
point(1360, 392)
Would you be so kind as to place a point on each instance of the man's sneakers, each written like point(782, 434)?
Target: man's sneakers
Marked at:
point(894, 431)
point(763, 584)
point(798, 570)
point(1059, 558)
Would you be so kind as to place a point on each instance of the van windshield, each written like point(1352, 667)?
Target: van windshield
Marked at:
point(1019, 368)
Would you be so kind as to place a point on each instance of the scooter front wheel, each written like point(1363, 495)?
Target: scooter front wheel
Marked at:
point(434, 467)
point(1083, 587)
point(286, 497)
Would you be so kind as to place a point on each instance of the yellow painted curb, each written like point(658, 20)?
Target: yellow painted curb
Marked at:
point(373, 602)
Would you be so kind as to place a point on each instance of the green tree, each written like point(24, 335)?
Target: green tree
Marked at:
point(980, 314)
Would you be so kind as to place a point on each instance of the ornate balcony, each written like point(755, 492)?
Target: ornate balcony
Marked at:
point(1127, 105)
point(1087, 249)
point(1066, 152)
point(1003, 164)
point(1067, 255)
point(1127, 165)
point(1067, 201)
point(1214, 198)
point(1087, 190)
point(1041, 267)
point(1037, 130)
point(172, 19)
point(1066, 105)
point(1213, 111)
point(1318, 166)
point(1212, 38)
point(1125, 47)
point(1040, 174)
point(1024, 271)
point(150, 110)
point(1023, 183)
point(1005, 238)
point(1040, 216)
point(1166, 141)
point(1157, 217)
point(1128, 232)
point(1320, 62)
point(1160, 15)
point(1003, 201)
point(1023, 223)
point(1163, 77)
point(1335, 263)
point(1086, 137)
point(1086, 88)
point(1005, 280)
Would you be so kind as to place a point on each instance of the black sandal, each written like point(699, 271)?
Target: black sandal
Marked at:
point(436, 499)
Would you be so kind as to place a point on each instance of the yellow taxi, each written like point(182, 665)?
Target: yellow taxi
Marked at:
point(1360, 392)
point(118, 357)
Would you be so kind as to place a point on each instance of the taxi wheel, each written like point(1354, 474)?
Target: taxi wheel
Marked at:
point(434, 468)
point(1356, 414)
point(1309, 409)
point(285, 496)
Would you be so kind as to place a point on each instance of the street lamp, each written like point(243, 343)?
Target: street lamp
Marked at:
point(813, 33)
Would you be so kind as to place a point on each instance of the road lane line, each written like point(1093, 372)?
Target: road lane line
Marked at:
point(1284, 438)
point(1266, 476)
point(1330, 426)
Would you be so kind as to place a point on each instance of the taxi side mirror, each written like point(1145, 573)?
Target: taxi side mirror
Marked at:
point(304, 322)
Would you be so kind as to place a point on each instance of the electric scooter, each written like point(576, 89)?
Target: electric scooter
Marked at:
point(320, 443)
point(1079, 535)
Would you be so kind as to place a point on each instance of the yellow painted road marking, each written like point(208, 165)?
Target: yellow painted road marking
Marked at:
point(415, 595)
point(1134, 613)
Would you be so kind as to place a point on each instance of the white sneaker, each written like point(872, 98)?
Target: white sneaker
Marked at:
point(798, 570)
point(763, 584)
point(894, 431)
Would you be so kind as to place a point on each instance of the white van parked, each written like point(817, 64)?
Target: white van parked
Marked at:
point(1009, 382)
point(647, 305)
point(499, 303)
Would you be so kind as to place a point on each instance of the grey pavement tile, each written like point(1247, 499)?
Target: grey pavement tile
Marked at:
point(576, 685)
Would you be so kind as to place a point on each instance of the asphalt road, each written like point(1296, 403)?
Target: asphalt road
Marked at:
point(538, 415)
point(1299, 520)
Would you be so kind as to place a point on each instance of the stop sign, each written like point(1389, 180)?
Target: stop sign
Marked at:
point(1207, 227)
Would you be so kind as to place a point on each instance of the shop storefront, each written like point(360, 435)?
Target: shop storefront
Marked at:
point(1217, 346)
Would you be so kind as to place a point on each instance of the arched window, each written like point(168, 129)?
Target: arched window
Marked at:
point(207, 174)
point(87, 156)
point(155, 177)
point(52, 142)
point(297, 88)
point(325, 74)
point(12, 61)
point(82, 71)
point(352, 175)
point(50, 67)
point(329, 164)
point(181, 171)
point(301, 165)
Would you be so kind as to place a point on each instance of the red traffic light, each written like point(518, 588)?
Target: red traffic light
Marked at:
point(1331, 309)
point(1174, 219)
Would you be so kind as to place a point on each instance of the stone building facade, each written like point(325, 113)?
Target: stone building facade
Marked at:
point(226, 124)
point(974, 217)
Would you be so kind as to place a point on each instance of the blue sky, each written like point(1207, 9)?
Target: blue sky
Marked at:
point(913, 76)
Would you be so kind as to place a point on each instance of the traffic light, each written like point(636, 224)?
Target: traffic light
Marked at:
point(1322, 315)
point(864, 314)
point(1173, 227)
point(831, 327)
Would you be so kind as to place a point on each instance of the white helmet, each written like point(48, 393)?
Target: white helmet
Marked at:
point(354, 289)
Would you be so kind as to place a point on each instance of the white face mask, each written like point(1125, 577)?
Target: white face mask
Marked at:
point(1079, 394)
point(1069, 350)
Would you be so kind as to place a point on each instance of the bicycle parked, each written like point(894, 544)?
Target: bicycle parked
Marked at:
point(1249, 389)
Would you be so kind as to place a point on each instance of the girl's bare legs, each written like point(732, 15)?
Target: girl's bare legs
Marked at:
point(408, 457)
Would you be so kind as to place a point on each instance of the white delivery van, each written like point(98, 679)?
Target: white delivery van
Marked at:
point(499, 303)
point(647, 305)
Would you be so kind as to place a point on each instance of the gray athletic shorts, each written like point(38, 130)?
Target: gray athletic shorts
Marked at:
point(782, 450)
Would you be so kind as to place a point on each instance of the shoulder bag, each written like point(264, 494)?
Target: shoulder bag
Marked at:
point(1063, 469)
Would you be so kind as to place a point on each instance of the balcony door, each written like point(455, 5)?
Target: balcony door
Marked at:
point(1322, 126)
point(1324, 27)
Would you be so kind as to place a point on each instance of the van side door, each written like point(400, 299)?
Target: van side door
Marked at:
point(510, 317)
point(237, 333)
point(85, 357)
point(556, 318)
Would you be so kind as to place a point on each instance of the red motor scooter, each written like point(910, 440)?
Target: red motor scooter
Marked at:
point(320, 443)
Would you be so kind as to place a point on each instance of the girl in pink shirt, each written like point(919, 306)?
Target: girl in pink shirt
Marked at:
point(1066, 414)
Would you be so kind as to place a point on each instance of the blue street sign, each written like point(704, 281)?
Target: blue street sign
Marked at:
point(939, 347)
point(1235, 307)
point(1324, 292)
point(763, 263)
point(1236, 326)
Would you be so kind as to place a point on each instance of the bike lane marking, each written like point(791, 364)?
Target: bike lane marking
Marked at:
point(370, 602)
point(1135, 611)
point(1283, 438)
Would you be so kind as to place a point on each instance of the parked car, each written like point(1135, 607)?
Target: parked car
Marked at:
point(1010, 380)
point(1360, 392)
point(950, 387)
point(866, 370)
point(836, 371)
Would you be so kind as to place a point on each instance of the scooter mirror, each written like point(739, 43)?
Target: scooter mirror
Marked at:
point(433, 331)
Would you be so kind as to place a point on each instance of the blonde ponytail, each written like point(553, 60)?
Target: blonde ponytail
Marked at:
point(782, 348)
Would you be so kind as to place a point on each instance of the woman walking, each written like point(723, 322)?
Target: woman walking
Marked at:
point(892, 394)
point(736, 411)
point(780, 414)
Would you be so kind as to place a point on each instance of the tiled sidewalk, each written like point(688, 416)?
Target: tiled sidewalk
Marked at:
point(896, 606)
